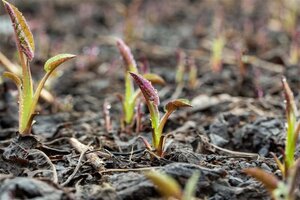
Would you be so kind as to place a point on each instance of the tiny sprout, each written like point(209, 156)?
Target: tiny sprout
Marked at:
point(293, 127)
point(129, 100)
point(294, 49)
point(279, 190)
point(193, 71)
point(152, 101)
point(169, 188)
point(27, 97)
point(284, 190)
point(216, 55)
point(181, 63)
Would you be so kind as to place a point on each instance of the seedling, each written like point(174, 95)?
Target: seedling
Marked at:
point(181, 63)
point(193, 71)
point(279, 190)
point(289, 167)
point(129, 100)
point(169, 188)
point(152, 101)
point(290, 14)
point(293, 128)
point(216, 53)
point(294, 49)
point(27, 97)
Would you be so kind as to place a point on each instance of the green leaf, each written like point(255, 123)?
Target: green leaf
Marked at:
point(24, 36)
point(57, 60)
point(190, 188)
point(50, 66)
point(291, 114)
point(165, 184)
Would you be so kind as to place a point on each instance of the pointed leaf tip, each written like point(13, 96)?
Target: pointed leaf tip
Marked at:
point(127, 56)
point(57, 60)
point(146, 87)
point(23, 34)
point(166, 185)
point(289, 97)
point(267, 179)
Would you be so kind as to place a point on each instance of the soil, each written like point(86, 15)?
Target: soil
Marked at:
point(235, 123)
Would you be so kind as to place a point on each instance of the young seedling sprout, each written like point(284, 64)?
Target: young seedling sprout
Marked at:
point(181, 63)
point(129, 100)
point(193, 71)
point(152, 101)
point(217, 52)
point(289, 168)
point(169, 188)
point(27, 97)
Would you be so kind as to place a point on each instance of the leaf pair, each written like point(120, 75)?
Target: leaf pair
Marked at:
point(27, 97)
point(152, 101)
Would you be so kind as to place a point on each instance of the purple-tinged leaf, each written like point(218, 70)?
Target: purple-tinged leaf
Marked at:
point(23, 34)
point(289, 97)
point(147, 89)
point(127, 56)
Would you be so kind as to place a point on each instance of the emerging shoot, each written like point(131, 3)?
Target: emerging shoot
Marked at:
point(181, 63)
point(129, 100)
point(28, 98)
point(217, 52)
point(152, 101)
point(289, 168)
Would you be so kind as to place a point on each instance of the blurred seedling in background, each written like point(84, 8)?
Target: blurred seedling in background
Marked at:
point(130, 99)
point(218, 44)
point(132, 21)
point(218, 41)
point(157, 123)
point(289, 14)
point(185, 66)
point(25, 44)
point(193, 73)
point(181, 64)
point(289, 168)
point(169, 187)
point(295, 49)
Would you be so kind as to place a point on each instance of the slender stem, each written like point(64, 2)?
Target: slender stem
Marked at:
point(24, 106)
point(164, 120)
point(128, 104)
point(290, 143)
point(154, 115)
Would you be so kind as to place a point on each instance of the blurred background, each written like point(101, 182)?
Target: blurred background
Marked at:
point(217, 33)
